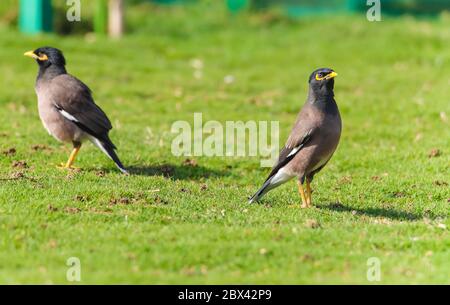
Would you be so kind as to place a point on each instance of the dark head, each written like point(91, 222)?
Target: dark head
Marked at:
point(48, 56)
point(321, 82)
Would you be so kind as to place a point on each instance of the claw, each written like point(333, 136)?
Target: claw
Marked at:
point(69, 163)
point(63, 165)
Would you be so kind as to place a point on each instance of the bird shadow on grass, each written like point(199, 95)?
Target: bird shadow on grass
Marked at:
point(177, 172)
point(373, 212)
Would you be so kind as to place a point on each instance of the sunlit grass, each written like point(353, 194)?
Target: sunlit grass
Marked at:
point(382, 195)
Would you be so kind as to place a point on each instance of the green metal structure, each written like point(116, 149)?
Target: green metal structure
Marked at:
point(170, 1)
point(299, 8)
point(35, 16)
point(413, 7)
point(101, 16)
point(237, 5)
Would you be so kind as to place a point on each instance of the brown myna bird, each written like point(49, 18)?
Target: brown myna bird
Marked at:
point(313, 139)
point(67, 109)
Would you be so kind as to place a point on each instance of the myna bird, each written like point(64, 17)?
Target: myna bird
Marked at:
point(313, 139)
point(67, 109)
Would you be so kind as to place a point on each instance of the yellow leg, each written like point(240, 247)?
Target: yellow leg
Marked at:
point(302, 194)
point(71, 159)
point(308, 192)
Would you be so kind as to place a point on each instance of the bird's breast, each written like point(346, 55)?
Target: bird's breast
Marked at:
point(325, 145)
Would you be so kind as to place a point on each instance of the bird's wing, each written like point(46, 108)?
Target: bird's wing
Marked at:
point(288, 153)
point(74, 101)
point(300, 135)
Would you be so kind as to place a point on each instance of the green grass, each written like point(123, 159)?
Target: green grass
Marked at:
point(380, 196)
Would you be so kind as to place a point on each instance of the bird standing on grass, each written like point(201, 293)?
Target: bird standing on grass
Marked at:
point(313, 139)
point(67, 109)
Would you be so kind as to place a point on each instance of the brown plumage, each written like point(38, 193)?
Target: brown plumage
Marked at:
point(312, 141)
point(66, 107)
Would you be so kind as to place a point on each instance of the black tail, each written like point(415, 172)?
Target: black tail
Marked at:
point(261, 192)
point(108, 148)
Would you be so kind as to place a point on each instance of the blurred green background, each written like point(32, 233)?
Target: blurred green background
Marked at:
point(9, 9)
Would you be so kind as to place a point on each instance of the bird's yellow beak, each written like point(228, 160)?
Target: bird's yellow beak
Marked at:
point(328, 76)
point(31, 54)
point(331, 75)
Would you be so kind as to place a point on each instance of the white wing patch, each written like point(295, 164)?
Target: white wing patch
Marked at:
point(297, 148)
point(294, 151)
point(68, 115)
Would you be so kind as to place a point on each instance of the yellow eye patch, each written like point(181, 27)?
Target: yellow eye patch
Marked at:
point(42, 57)
point(328, 76)
point(320, 78)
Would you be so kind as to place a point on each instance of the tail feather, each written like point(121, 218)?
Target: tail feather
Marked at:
point(261, 192)
point(108, 148)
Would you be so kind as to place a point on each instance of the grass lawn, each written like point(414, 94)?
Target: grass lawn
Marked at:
point(384, 194)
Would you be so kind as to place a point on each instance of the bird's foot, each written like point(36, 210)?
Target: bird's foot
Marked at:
point(64, 166)
point(306, 206)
